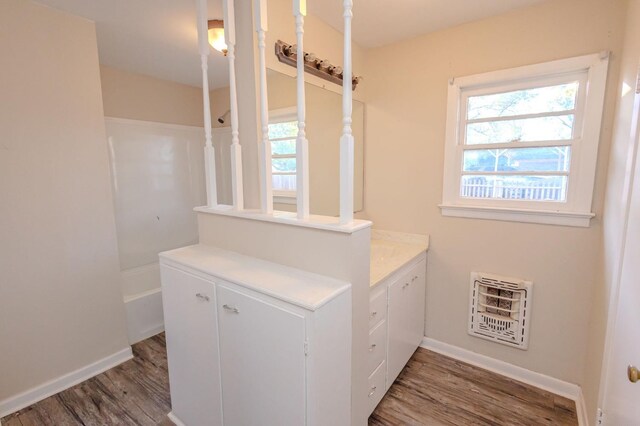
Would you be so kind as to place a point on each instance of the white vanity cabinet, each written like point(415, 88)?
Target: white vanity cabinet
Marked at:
point(254, 343)
point(396, 321)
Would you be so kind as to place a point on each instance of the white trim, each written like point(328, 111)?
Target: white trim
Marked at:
point(153, 124)
point(284, 199)
point(532, 378)
point(591, 71)
point(176, 421)
point(327, 223)
point(547, 217)
point(52, 387)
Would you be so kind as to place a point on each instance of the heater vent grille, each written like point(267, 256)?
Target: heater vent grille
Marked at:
point(500, 308)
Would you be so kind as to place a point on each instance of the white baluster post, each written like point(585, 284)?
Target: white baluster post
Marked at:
point(236, 150)
point(346, 141)
point(209, 151)
point(266, 192)
point(302, 145)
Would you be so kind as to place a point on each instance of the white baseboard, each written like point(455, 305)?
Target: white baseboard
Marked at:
point(551, 384)
point(52, 387)
point(176, 421)
point(144, 315)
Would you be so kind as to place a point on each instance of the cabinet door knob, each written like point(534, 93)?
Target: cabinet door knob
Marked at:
point(231, 308)
point(373, 390)
point(373, 314)
point(202, 297)
point(372, 347)
point(405, 285)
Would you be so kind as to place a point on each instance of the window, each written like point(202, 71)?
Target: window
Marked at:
point(283, 130)
point(522, 143)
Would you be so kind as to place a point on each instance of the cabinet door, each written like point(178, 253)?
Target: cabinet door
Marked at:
point(417, 294)
point(406, 319)
point(400, 346)
point(192, 347)
point(262, 359)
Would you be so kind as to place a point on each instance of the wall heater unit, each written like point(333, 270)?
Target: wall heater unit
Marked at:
point(500, 309)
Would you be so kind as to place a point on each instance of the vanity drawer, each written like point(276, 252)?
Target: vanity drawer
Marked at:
point(376, 388)
point(377, 346)
point(377, 306)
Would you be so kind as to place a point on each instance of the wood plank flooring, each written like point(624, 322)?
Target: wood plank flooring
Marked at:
point(133, 393)
point(436, 390)
point(432, 390)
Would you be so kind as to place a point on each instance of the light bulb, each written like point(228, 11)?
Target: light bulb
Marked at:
point(216, 39)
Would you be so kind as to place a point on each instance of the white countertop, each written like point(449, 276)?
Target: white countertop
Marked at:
point(305, 289)
point(390, 251)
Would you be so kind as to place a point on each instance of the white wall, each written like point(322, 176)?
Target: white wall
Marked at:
point(406, 110)
point(60, 302)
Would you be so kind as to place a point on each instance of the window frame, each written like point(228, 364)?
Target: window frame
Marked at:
point(283, 115)
point(591, 71)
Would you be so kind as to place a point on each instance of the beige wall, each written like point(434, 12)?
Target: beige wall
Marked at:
point(60, 302)
point(141, 97)
point(614, 207)
point(406, 110)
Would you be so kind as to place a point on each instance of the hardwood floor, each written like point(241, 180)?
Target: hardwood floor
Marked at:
point(133, 393)
point(432, 390)
point(436, 390)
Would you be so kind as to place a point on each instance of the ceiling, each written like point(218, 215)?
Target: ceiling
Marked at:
point(153, 37)
point(159, 38)
point(380, 22)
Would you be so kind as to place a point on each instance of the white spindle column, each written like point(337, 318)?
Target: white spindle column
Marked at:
point(209, 152)
point(266, 192)
point(346, 141)
point(302, 145)
point(236, 150)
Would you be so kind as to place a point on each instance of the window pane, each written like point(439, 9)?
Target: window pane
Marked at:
point(524, 130)
point(529, 188)
point(554, 158)
point(283, 164)
point(288, 129)
point(519, 102)
point(283, 182)
point(283, 147)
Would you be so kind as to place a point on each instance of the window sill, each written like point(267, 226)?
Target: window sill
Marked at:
point(547, 217)
point(284, 199)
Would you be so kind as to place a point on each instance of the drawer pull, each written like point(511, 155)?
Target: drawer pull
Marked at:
point(231, 308)
point(373, 390)
point(202, 297)
point(372, 347)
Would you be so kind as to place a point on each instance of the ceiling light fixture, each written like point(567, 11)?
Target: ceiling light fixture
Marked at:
point(216, 36)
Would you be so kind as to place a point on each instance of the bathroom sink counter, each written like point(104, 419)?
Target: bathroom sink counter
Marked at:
point(390, 251)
